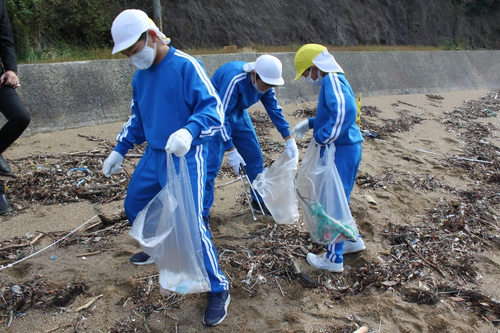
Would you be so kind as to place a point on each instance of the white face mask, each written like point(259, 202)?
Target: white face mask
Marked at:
point(254, 83)
point(312, 82)
point(145, 57)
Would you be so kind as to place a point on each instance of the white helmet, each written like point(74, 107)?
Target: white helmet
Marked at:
point(269, 69)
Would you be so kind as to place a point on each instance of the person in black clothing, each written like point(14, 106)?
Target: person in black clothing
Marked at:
point(11, 105)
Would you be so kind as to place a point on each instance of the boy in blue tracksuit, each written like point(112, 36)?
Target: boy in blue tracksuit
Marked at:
point(335, 123)
point(176, 109)
point(240, 85)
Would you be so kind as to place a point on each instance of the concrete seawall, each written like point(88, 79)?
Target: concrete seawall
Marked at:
point(76, 94)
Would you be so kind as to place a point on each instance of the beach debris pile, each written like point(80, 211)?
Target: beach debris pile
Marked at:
point(67, 178)
point(404, 123)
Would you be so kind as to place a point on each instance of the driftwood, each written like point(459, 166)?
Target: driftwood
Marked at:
point(425, 151)
point(88, 254)
point(16, 246)
point(110, 219)
point(471, 160)
point(88, 304)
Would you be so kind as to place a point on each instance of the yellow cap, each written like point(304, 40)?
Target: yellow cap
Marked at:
point(304, 57)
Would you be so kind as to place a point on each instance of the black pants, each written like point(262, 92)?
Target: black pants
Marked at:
point(18, 120)
point(17, 116)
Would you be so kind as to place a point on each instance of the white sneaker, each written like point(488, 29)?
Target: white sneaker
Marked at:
point(353, 247)
point(322, 262)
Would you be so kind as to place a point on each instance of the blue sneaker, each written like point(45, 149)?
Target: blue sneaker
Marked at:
point(141, 258)
point(216, 309)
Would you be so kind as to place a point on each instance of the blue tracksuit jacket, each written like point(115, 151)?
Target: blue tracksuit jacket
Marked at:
point(335, 123)
point(237, 94)
point(166, 97)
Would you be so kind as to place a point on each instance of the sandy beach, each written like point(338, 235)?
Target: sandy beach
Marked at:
point(425, 200)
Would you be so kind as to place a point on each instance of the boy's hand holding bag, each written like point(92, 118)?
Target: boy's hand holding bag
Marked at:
point(167, 230)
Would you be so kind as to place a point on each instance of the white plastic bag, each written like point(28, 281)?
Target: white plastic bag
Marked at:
point(276, 186)
point(167, 230)
point(322, 197)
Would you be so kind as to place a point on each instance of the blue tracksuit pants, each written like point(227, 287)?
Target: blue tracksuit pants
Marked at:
point(347, 160)
point(246, 142)
point(150, 176)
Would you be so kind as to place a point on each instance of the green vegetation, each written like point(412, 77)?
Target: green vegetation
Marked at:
point(473, 7)
point(456, 44)
point(64, 54)
point(59, 30)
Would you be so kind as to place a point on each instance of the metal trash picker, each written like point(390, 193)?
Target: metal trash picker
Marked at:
point(243, 175)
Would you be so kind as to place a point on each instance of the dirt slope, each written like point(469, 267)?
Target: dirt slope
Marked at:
point(216, 23)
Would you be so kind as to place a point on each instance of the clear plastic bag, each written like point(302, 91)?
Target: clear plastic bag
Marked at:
point(322, 197)
point(276, 186)
point(167, 230)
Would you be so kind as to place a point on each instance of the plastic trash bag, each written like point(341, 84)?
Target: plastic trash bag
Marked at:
point(167, 229)
point(276, 186)
point(322, 197)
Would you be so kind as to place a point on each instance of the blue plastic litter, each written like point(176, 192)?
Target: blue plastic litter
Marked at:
point(368, 134)
point(80, 169)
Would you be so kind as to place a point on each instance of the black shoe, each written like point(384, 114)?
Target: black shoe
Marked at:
point(256, 208)
point(5, 168)
point(141, 258)
point(216, 309)
point(5, 207)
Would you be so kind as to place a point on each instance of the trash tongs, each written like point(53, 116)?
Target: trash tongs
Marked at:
point(243, 175)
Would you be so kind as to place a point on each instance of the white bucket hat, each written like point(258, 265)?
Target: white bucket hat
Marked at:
point(128, 27)
point(327, 63)
point(269, 69)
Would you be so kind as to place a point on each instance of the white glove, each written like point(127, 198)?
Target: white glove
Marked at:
point(179, 142)
point(235, 160)
point(301, 129)
point(291, 149)
point(112, 164)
